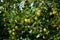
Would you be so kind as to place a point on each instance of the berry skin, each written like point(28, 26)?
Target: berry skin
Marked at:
point(16, 27)
point(10, 31)
point(36, 18)
point(27, 20)
point(13, 29)
point(13, 33)
point(38, 12)
point(45, 30)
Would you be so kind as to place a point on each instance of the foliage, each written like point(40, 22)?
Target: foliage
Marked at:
point(30, 20)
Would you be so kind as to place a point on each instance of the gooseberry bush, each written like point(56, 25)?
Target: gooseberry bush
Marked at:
point(29, 19)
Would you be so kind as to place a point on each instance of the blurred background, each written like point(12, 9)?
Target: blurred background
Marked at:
point(29, 19)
